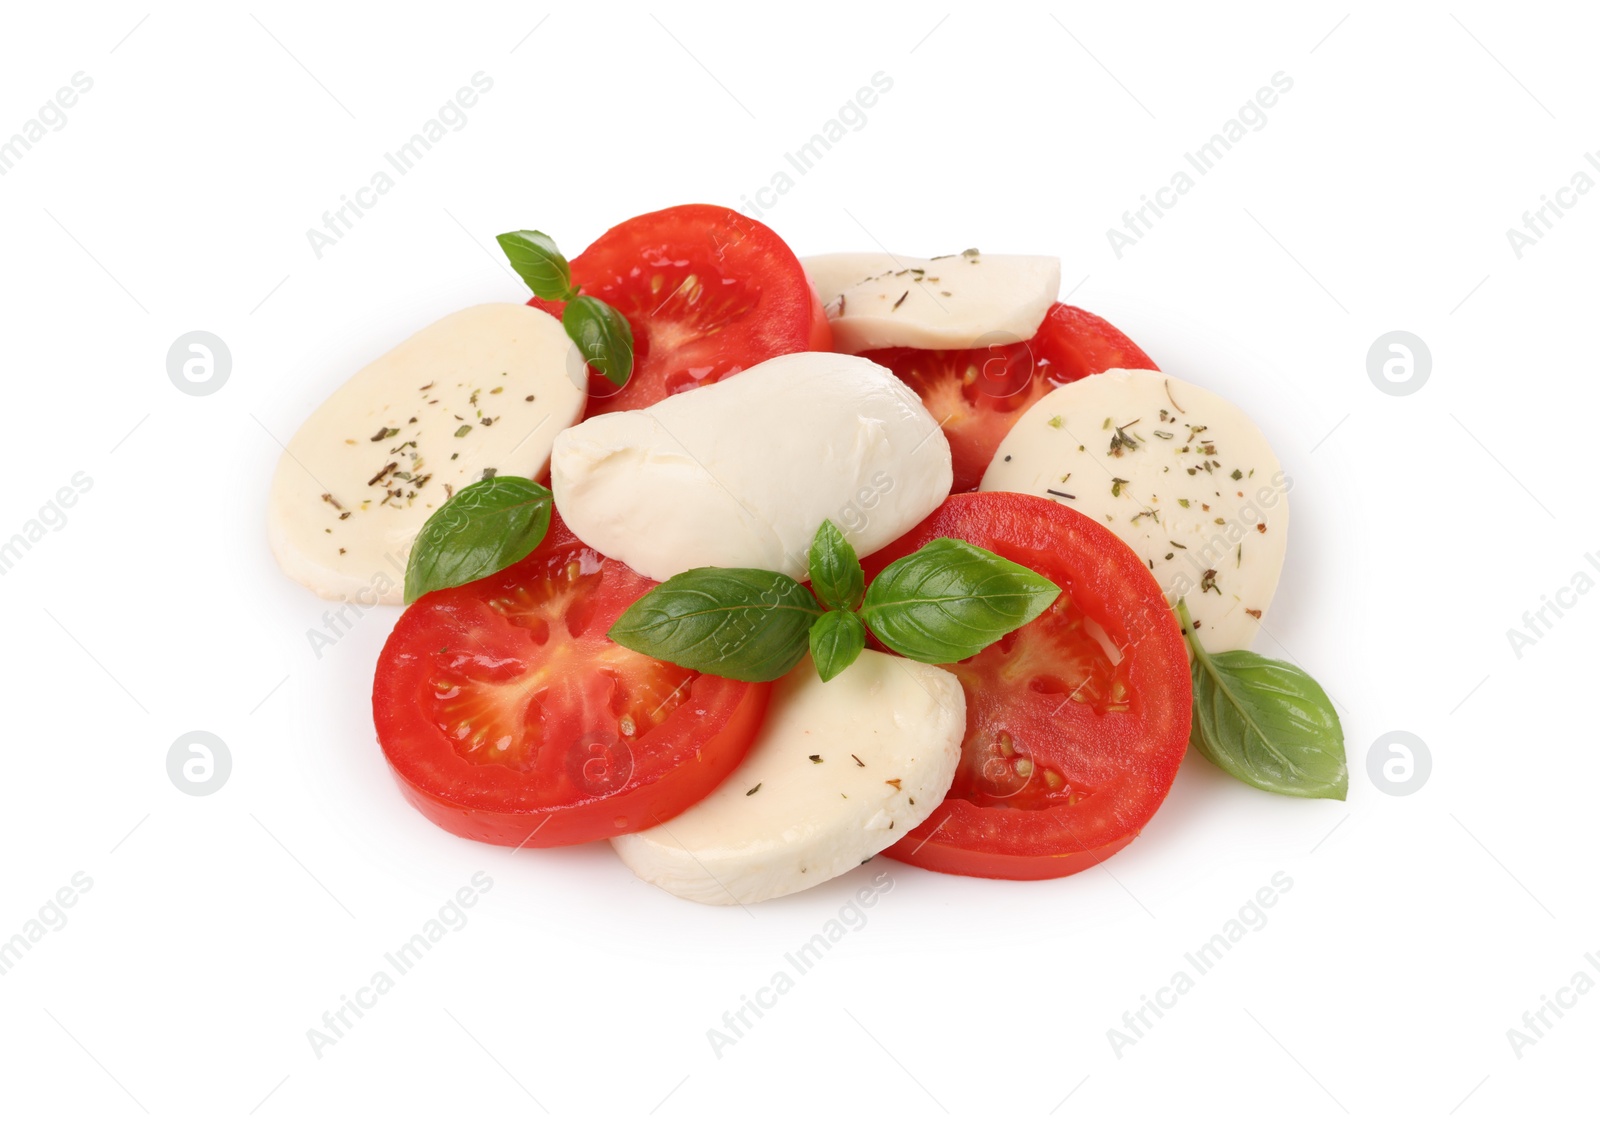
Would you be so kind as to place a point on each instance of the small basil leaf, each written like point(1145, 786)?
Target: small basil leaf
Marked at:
point(950, 599)
point(534, 257)
point(1266, 722)
point(837, 640)
point(602, 335)
point(489, 525)
point(742, 623)
point(836, 570)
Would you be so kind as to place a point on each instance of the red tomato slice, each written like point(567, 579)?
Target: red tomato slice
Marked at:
point(509, 717)
point(1076, 722)
point(707, 291)
point(979, 393)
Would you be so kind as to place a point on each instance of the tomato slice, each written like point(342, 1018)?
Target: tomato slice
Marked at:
point(509, 717)
point(979, 393)
point(708, 292)
point(1076, 722)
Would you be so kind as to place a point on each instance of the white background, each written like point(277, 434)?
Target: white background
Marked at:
point(1377, 197)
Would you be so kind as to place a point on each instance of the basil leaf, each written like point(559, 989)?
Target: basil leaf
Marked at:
point(489, 525)
point(1266, 722)
point(837, 640)
point(742, 623)
point(602, 335)
point(534, 257)
point(950, 599)
point(836, 570)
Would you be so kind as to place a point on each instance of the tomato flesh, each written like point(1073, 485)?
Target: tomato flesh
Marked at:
point(707, 291)
point(1076, 722)
point(979, 393)
point(509, 717)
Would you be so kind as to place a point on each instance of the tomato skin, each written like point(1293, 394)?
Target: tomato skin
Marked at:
point(821, 339)
point(707, 291)
point(962, 860)
point(1114, 760)
point(979, 393)
point(582, 780)
point(641, 808)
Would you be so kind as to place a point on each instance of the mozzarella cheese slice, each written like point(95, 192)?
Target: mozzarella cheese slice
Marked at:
point(1179, 473)
point(839, 771)
point(742, 473)
point(950, 302)
point(486, 388)
point(832, 275)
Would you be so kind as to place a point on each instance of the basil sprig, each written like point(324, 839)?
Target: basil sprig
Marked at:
point(950, 599)
point(836, 574)
point(489, 525)
point(536, 260)
point(602, 334)
point(837, 639)
point(1265, 722)
point(943, 603)
point(743, 623)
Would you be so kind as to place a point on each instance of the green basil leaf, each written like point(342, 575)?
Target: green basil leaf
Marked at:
point(1266, 722)
point(602, 335)
point(489, 525)
point(837, 640)
point(950, 599)
point(836, 570)
point(534, 257)
point(742, 623)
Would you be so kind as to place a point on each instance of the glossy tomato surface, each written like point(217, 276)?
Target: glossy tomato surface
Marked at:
point(708, 292)
point(1076, 723)
point(979, 393)
point(509, 717)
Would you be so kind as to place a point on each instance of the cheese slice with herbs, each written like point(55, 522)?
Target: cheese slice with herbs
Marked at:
point(832, 275)
point(484, 390)
point(840, 770)
point(1179, 473)
point(877, 301)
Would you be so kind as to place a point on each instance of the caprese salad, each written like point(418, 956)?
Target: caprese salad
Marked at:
point(759, 566)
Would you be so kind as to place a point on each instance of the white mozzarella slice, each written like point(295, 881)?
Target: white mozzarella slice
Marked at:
point(742, 473)
point(1179, 473)
point(839, 771)
point(486, 388)
point(949, 302)
point(832, 275)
